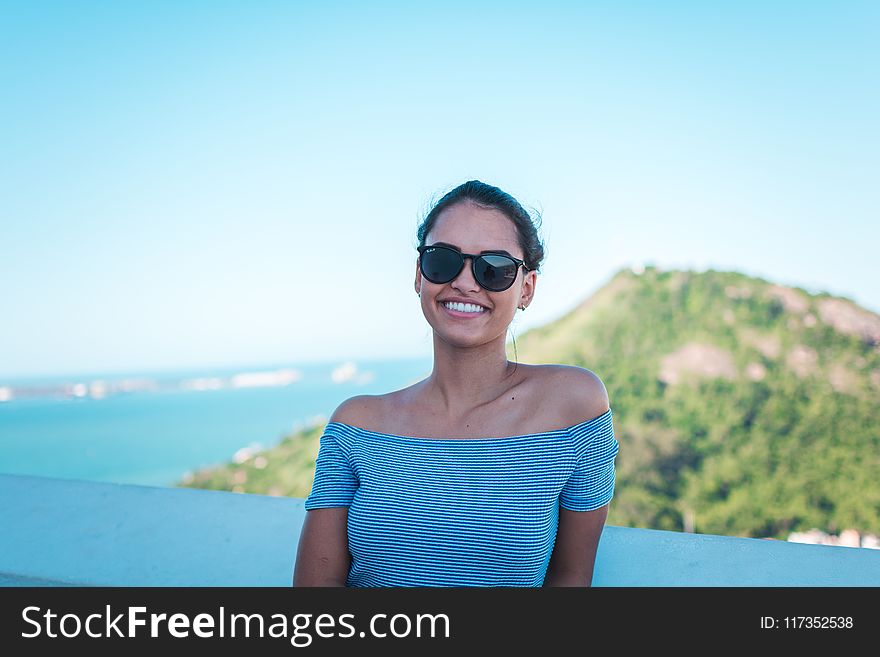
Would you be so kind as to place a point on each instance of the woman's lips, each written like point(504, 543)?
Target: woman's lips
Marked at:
point(461, 315)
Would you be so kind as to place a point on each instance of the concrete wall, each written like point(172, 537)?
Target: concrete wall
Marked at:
point(63, 532)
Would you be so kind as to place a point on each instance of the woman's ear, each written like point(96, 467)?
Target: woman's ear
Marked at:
point(528, 288)
point(418, 282)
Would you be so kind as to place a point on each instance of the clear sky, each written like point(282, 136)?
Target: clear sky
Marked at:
point(188, 184)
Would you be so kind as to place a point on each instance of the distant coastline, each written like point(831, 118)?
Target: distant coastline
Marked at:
point(99, 387)
point(152, 428)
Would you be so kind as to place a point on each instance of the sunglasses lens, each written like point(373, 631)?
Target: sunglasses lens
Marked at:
point(495, 272)
point(440, 265)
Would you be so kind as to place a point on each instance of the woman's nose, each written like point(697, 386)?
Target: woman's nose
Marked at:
point(465, 277)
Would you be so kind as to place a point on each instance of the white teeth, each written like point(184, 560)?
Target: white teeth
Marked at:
point(464, 307)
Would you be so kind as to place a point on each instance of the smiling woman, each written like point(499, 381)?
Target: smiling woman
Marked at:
point(486, 473)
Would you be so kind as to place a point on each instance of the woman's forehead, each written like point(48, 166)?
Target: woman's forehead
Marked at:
point(473, 229)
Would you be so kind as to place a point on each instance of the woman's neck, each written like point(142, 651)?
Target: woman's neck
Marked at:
point(464, 379)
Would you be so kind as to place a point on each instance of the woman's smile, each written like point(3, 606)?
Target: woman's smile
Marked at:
point(463, 310)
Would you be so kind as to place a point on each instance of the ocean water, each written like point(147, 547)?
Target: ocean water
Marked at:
point(153, 437)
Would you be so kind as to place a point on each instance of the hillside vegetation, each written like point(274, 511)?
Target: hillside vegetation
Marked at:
point(742, 407)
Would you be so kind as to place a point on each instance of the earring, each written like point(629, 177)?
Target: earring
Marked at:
point(522, 307)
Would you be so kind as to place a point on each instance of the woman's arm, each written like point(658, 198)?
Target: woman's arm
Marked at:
point(322, 558)
point(582, 394)
point(574, 554)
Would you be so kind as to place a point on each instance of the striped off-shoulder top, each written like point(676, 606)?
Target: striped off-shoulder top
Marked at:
point(460, 511)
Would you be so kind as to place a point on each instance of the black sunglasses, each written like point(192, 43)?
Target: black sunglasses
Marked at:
point(493, 271)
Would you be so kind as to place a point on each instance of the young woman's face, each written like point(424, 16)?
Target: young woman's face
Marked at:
point(473, 229)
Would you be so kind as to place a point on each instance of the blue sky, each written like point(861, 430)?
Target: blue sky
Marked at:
point(188, 184)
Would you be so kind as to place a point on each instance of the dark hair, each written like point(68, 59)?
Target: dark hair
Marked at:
point(488, 196)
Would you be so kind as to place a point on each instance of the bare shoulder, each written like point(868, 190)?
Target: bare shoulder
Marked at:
point(373, 412)
point(578, 393)
point(357, 411)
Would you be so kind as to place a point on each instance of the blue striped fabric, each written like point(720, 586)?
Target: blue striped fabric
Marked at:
point(460, 511)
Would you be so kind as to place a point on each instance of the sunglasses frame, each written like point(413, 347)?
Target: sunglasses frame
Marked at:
point(474, 257)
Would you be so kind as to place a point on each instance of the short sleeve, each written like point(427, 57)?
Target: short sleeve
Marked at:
point(335, 481)
point(591, 484)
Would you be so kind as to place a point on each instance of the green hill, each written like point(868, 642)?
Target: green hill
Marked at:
point(742, 407)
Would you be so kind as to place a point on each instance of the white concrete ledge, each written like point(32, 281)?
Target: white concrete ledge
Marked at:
point(64, 532)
